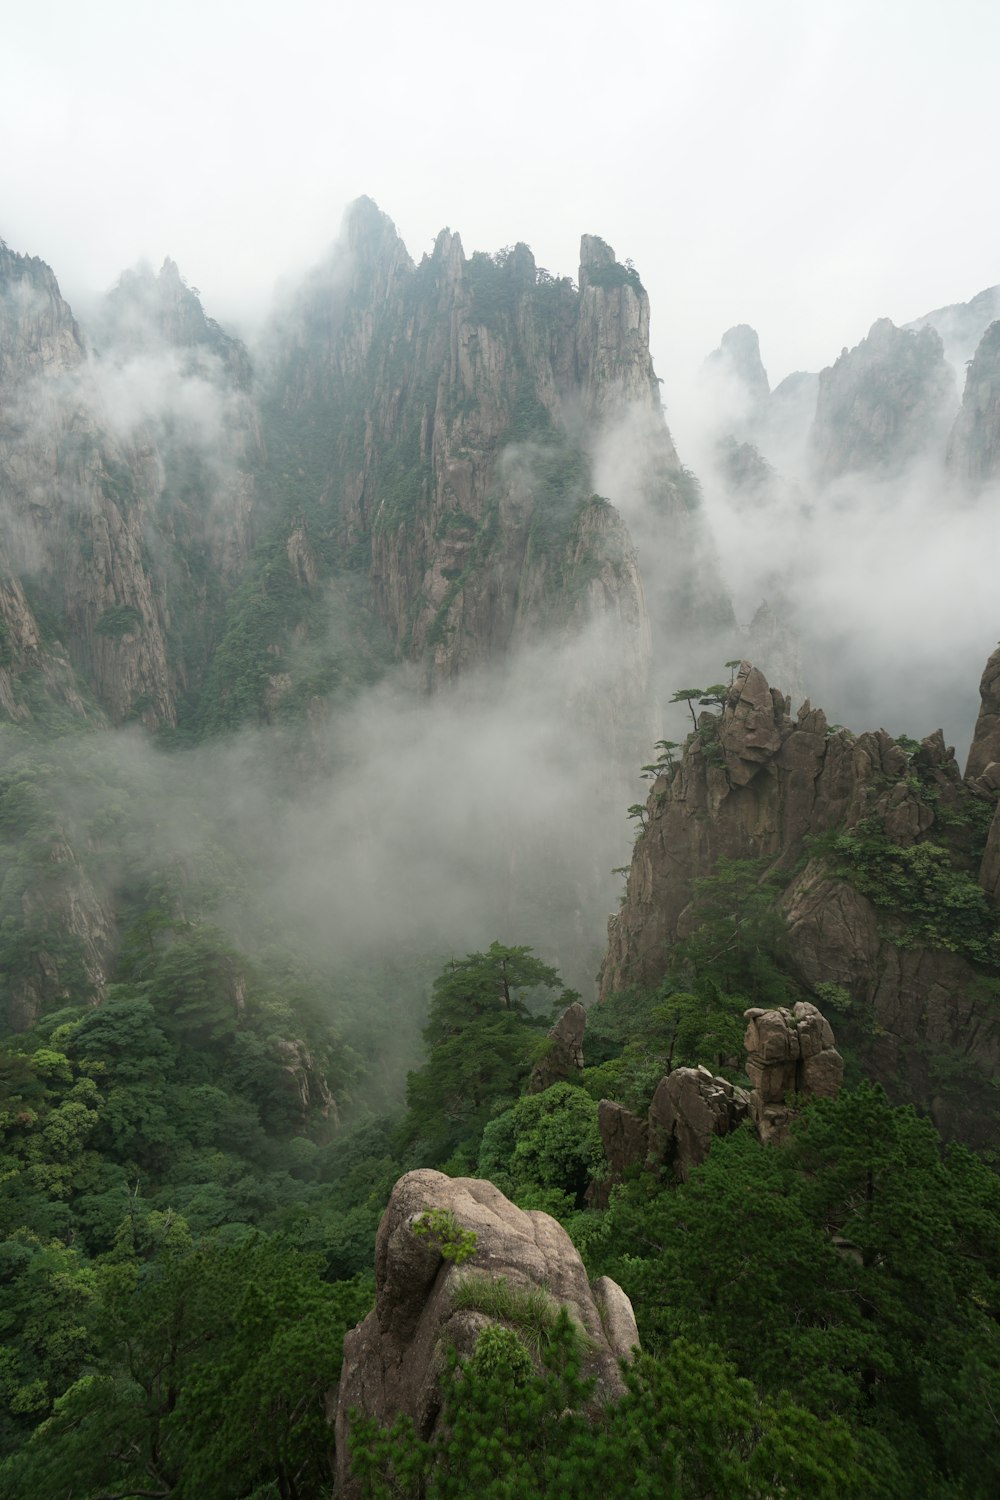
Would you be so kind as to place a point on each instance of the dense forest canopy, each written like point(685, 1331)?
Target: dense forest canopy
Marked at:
point(326, 678)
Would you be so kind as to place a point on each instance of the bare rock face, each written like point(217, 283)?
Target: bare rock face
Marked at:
point(455, 407)
point(985, 747)
point(884, 403)
point(689, 1108)
point(393, 1360)
point(305, 1084)
point(624, 1136)
point(564, 1058)
point(119, 479)
point(61, 902)
point(752, 785)
point(790, 1052)
point(974, 447)
point(738, 360)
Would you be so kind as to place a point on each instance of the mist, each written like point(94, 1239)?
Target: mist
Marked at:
point(882, 582)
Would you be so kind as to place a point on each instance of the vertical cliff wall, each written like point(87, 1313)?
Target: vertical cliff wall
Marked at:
point(886, 906)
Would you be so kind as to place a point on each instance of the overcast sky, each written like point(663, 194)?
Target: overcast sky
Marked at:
point(800, 165)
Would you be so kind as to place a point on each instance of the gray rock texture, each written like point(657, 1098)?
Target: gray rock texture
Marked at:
point(689, 1108)
point(393, 1360)
point(564, 1058)
point(974, 447)
point(883, 404)
point(789, 1052)
point(753, 784)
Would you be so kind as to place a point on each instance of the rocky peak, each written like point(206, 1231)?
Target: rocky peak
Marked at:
point(738, 355)
point(145, 313)
point(612, 341)
point(394, 1359)
point(961, 325)
point(564, 1058)
point(37, 330)
point(791, 1056)
point(883, 404)
point(974, 447)
point(985, 747)
point(595, 253)
point(755, 783)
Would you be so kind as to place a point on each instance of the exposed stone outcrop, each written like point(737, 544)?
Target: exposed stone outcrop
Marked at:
point(961, 325)
point(68, 924)
point(974, 447)
point(125, 487)
point(305, 1084)
point(753, 784)
point(884, 403)
point(454, 407)
point(790, 1052)
point(689, 1108)
point(393, 1360)
point(564, 1058)
point(738, 360)
point(624, 1136)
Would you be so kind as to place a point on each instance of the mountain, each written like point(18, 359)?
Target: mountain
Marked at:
point(326, 668)
point(865, 849)
point(127, 494)
point(471, 399)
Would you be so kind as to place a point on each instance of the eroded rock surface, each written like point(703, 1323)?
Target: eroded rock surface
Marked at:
point(564, 1059)
point(689, 1108)
point(789, 1052)
point(974, 447)
point(392, 1361)
point(754, 784)
point(883, 403)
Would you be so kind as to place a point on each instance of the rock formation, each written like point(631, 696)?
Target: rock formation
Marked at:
point(564, 1058)
point(126, 493)
point(961, 325)
point(451, 411)
point(791, 1058)
point(754, 784)
point(883, 403)
point(790, 1052)
point(974, 447)
point(689, 1108)
point(985, 747)
point(737, 361)
point(393, 1360)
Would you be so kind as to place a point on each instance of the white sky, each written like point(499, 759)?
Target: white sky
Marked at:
point(801, 165)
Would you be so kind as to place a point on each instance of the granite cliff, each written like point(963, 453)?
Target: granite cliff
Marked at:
point(450, 412)
point(974, 445)
point(425, 1301)
point(126, 493)
point(877, 846)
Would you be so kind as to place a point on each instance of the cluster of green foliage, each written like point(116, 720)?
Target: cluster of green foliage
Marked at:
point(531, 1311)
point(481, 1039)
point(179, 1261)
point(118, 620)
point(856, 1269)
point(687, 1426)
point(942, 905)
point(614, 275)
point(440, 1226)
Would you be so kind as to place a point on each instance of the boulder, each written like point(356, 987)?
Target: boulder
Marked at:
point(625, 1138)
point(393, 1360)
point(563, 1059)
point(690, 1107)
point(790, 1053)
